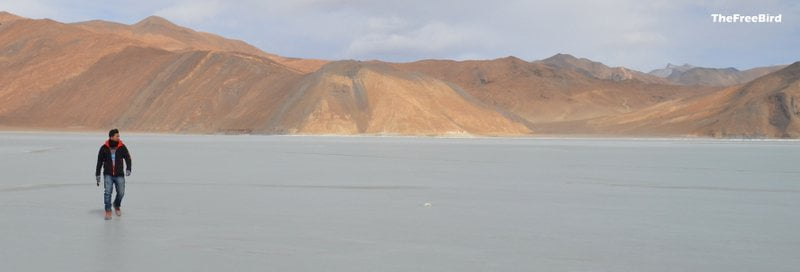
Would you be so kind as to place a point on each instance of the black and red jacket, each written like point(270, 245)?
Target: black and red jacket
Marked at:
point(113, 168)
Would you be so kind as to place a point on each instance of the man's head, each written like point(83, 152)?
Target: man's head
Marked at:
point(113, 135)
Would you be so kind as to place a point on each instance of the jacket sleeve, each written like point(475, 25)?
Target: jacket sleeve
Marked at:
point(100, 159)
point(127, 157)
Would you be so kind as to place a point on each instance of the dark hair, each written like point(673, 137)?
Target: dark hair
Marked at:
point(112, 132)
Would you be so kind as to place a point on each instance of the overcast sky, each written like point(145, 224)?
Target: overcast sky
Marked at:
point(643, 35)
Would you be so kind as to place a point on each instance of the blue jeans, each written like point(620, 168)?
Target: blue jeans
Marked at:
point(109, 183)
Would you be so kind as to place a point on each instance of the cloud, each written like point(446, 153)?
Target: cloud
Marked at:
point(394, 38)
point(638, 34)
point(30, 9)
point(192, 12)
point(643, 37)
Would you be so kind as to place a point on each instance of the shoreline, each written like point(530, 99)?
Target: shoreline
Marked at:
point(403, 136)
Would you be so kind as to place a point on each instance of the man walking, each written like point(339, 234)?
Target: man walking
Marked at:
point(110, 158)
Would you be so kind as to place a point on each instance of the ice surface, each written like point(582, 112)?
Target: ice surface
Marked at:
point(297, 203)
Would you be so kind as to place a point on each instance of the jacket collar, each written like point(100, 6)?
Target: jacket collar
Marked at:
point(119, 144)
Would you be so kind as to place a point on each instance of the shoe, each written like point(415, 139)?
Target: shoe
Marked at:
point(119, 213)
point(108, 215)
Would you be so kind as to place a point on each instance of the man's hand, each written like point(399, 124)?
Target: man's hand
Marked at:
point(98, 180)
point(127, 173)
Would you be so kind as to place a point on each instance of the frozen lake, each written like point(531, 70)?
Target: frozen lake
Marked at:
point(301, 203)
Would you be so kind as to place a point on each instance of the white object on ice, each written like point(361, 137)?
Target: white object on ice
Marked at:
point(427, 204)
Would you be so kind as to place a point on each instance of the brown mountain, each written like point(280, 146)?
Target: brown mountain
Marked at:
point(159, 32)
point(37, 55)
point(63, 76)
point(599, 70)
point(157, 76)
point(765, 107)
point(349, 97)
point(689, 75)
point(150, 89)
point(6, 17)
point(138, 84)
point(541, 93)
point(670, 69)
